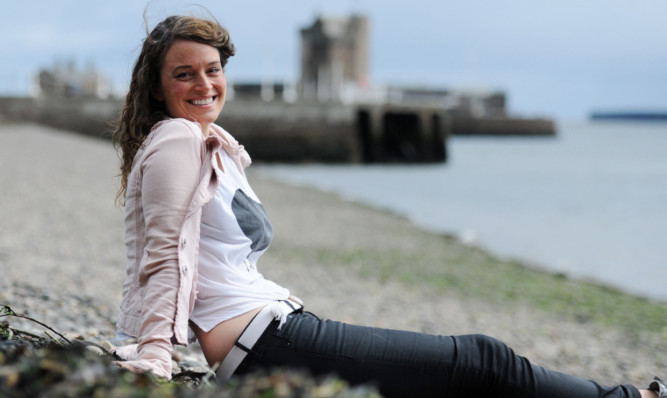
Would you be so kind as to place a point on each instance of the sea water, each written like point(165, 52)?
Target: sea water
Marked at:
point(590, 203)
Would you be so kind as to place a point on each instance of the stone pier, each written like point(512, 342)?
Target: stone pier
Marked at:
point(278, 131)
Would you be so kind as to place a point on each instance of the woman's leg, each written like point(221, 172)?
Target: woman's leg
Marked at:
point(404, 363)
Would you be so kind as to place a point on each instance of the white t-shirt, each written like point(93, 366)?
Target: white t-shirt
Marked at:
point(235, 232)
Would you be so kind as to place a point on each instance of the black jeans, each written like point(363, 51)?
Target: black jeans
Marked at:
point(408, 364)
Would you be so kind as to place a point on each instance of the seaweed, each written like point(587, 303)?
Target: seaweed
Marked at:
point(55, 366)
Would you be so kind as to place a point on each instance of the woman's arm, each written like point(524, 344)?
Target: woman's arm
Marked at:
point(171, 167)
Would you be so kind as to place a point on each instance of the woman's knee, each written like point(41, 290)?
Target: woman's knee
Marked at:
point(485, 351)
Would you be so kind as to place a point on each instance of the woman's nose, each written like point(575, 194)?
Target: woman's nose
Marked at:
point(202, 82)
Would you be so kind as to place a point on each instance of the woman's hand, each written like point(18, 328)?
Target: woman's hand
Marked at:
point(157, 362)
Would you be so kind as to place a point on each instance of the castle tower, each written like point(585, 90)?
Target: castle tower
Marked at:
point(334, 57)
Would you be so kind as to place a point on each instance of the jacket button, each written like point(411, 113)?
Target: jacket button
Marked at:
point(185, 270)
point(183, 242)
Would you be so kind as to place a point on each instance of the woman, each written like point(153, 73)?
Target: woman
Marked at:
point(195, 230)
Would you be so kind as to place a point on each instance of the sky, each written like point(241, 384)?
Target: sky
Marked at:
point(553, 58)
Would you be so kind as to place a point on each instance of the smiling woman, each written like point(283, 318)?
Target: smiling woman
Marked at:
point(146, 101)
point(195, 231)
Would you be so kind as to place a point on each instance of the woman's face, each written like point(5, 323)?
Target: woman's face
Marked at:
point(192, 82)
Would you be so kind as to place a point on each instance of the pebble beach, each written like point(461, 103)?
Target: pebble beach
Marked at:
point(62, 261)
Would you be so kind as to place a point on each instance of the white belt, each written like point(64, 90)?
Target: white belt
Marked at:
point(274, 311)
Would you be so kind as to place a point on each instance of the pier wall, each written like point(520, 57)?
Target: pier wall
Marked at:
point(502, 126)
point(296, 132)
point(90, 116)
point(335, 132)
point(277, 131)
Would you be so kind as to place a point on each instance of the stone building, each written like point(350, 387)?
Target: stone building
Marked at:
point(334, 67)
point(66, 80)
point(334, 57)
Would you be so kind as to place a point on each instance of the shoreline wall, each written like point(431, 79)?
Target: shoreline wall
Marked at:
point(503, 126)
point(277, 131)
point(89, 116)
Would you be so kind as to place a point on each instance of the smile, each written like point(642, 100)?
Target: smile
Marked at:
point(204, 101)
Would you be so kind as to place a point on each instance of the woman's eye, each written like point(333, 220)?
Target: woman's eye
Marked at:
point(183, 75)
point(214, 70)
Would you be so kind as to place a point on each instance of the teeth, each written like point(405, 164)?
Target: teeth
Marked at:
point(203, 101)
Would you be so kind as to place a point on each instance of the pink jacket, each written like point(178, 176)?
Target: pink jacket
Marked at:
point(171, 179)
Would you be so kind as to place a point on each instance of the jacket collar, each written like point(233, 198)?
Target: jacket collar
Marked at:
point(220, 137)
point(235, 150)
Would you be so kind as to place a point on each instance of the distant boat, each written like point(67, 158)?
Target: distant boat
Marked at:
point(637, 116)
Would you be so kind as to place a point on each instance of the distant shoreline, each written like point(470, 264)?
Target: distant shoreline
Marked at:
point(634, 116)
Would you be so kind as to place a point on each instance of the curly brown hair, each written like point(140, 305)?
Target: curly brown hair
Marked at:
point(142, 110)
